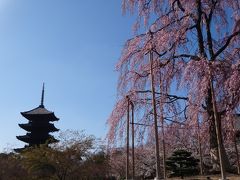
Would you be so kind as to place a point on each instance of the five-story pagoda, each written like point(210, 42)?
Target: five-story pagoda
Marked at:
point(39, 126)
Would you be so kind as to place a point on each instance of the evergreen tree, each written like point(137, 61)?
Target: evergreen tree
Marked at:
point(181, 163)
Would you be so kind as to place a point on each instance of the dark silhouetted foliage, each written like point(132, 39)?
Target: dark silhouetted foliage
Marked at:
point(181, 163)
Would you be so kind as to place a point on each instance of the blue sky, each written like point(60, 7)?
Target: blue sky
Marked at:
point(72, 46)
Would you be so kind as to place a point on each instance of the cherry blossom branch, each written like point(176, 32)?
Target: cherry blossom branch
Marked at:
point(178, 4)
point(193, 57)
point(225, 45)
point(208, 28)
point(168, 95)
point(199, 28)
point(144, 74)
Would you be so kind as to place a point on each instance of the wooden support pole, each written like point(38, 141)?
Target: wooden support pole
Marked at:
point(235, 147)
point(154, 116)
point(163, 133)
point(133, 155)
point(217, 127)
point(200, 147)
point(127, 140)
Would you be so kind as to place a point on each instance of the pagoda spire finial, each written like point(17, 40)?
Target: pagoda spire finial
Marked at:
point(42, 99)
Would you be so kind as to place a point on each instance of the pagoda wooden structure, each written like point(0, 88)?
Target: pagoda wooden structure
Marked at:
point(39, 126)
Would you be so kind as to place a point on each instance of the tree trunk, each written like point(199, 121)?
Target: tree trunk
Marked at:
point(213, 138)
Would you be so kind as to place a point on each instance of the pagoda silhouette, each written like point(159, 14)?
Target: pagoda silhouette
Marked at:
point(38, 126)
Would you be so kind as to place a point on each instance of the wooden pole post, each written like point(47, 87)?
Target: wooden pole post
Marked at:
point(133, 156)
point(127, 126)
point(163, 133)
point(235, 147)
point(154, 116)
point(200, 147)
point(217, 127)
point(164, 149)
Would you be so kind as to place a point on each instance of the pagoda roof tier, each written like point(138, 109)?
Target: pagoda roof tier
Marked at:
point(49, 127)
point(40, 113)
point(36, 140)
point(19, 150)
